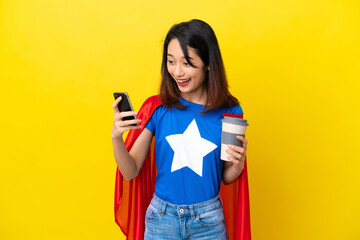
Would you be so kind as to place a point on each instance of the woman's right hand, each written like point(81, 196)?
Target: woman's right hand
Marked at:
point(120, 126)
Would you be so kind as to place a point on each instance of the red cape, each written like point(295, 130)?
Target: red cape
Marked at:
point(133, 197)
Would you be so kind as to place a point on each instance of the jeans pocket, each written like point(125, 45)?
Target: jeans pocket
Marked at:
point(152, 214)
point(211, 218)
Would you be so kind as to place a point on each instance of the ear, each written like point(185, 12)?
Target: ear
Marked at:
point(208, 68)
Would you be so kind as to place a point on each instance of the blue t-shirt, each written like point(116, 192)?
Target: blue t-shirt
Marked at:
point(187, 152)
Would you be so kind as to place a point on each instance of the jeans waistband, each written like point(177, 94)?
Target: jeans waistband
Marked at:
point(186, 210)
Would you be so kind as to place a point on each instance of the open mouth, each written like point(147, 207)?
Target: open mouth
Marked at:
point(183, 82)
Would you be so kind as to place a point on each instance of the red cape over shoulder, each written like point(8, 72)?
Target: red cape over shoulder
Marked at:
point(133, 197)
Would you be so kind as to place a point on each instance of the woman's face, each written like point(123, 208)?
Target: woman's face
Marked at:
point(190, 80)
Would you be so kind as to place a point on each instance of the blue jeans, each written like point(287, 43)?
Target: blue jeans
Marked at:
point(164, 221)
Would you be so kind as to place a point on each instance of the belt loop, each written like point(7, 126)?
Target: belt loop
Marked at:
point(163, 208)
point(192, 212)
point(222, 204)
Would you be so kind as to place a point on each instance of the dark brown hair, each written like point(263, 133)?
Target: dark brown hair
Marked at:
point(200, 36)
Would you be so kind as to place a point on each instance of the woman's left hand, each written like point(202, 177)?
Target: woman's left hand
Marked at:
point(238, 153)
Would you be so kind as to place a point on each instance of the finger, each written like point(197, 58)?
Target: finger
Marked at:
point(124, 129)
point(123, 115)
point(116, 103)
point(233, 160)
point(128, 122)
point(237, 149)
point(234, 154)
point(243, 140)
point(136, 127)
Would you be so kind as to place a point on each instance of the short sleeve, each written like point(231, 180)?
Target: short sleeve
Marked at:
point(150, 124)
point(237, 110)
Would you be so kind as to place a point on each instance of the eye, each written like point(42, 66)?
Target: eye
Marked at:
point(186, 64)
point(171, 62)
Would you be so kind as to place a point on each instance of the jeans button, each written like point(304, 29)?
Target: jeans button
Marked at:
point(181, 210)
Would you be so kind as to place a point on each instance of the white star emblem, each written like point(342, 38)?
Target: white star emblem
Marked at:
point(189, 149)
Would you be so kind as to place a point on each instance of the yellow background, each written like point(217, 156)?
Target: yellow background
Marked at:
point(294, 65)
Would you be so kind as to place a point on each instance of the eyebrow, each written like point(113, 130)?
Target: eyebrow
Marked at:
point(182, 57)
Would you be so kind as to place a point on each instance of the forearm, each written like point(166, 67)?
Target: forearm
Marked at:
point(124, 161)
point(231, 173)
point(235, 164)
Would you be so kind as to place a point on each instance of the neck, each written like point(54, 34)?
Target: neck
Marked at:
point(198, 99)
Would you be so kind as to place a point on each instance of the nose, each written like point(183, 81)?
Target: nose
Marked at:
point(179, 70)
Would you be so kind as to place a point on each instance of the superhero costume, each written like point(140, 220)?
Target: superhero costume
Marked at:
point(133, 197)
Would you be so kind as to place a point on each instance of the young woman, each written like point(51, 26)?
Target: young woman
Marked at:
point(185, 120)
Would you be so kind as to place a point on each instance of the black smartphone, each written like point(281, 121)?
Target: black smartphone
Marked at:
point(125, 104)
